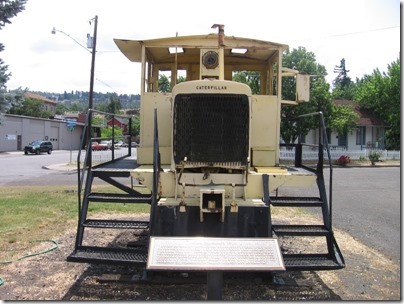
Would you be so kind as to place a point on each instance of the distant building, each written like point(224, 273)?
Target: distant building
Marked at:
point(18, 131)
point(47, 104)
point(369, 132)
point(119, 122)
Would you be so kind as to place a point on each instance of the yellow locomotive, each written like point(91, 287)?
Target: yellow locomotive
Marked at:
point(209, 154)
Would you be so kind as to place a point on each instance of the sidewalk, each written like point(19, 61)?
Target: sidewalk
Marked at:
point(367, 164)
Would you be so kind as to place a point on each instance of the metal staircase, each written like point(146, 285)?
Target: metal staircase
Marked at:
point(109, 172)
point(332, 257)
point(136, 252)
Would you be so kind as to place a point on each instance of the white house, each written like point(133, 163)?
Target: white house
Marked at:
point(369, 132)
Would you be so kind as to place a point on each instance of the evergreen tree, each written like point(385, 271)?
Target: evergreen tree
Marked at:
point(164, 84)
point(342, 78)
point(343, 85)
point(114, 104)
point(8, 9)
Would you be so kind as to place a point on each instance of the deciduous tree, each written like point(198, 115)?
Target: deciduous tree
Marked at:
point(380, 93)
point(8, 9)
point(320, 100)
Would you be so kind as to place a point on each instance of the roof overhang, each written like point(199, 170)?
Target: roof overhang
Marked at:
point(158, 49)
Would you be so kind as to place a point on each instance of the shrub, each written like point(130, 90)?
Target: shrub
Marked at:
point(343, 160)
point(374, 156)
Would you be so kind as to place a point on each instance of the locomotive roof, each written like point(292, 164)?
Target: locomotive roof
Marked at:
point(158, 49)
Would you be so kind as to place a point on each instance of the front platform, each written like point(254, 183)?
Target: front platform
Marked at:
point(253, 189)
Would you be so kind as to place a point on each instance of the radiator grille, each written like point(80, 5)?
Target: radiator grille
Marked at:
point(211, 128)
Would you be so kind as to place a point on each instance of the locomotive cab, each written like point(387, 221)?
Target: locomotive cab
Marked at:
point(213, 132)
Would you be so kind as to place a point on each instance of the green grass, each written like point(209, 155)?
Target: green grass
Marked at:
point(37, 213)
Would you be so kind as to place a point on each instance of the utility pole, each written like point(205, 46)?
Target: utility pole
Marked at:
point(90, 95)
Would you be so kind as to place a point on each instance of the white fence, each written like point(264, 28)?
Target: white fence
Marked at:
point(335, 154)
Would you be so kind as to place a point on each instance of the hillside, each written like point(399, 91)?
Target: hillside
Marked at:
point(74, 97)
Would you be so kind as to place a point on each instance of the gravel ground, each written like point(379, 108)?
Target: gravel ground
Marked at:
point(368, 276)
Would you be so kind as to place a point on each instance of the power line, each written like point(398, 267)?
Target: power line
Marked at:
point(106, 85)
point(351, 33)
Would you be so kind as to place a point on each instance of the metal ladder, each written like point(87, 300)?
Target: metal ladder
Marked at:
point(108, 172)
point(332, 258)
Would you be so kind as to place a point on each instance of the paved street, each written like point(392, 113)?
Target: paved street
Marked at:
point(366, 204)
point(366, 201)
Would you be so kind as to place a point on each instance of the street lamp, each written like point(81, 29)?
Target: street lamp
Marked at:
point(54, 30)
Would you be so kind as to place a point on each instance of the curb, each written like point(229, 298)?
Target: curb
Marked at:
point(61, 167)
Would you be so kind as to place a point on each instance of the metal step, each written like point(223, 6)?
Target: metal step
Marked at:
point(307, 262)
point(284, 201)
point(117, 224)
point(300, 230)
point(111, 172)
point(101, 255)
point(120, 198)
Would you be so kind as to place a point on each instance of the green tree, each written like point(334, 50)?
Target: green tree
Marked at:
point(77, 107)
point(380, 93)
point(32, 108)
point(181, 79)
point(251, 78)
point(8, 99)
point(135, 127)
point(320, 100)
point(61, 109)
point(103, 107)
point(342, 78)
point(164, 84)
point(343, 86)
point(338, 119)
point(114, 105)
point(107, 132)
point(343, 119)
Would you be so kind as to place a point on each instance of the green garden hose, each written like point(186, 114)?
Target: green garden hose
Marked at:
point(55, 245)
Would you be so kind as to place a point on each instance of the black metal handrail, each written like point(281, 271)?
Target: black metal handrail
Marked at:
point(322, 145)
point(86, 142)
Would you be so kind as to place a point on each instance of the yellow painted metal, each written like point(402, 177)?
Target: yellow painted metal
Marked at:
point(271, 170)
point(254, 189)
point(263, 57)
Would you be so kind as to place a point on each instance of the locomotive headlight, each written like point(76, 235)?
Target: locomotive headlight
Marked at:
point(210, 60)
point(212, 201)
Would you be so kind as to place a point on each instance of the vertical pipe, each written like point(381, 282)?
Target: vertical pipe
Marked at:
point(221, 49)
point(279, 103)
point(143, 71)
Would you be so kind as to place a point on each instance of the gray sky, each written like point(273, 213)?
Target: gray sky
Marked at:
point(364, 32)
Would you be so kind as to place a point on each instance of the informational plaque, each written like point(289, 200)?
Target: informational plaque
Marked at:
point(209, 253)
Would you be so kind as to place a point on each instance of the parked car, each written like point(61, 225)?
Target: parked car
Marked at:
point(133, 144)
point(38, 146)
point(118, 144)
point(106, 143)
point(95, 146)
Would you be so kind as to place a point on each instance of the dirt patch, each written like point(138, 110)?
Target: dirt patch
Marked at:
point(368, 276)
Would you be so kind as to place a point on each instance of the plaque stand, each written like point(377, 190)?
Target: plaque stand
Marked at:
point(215, 285)
point(214, 255)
